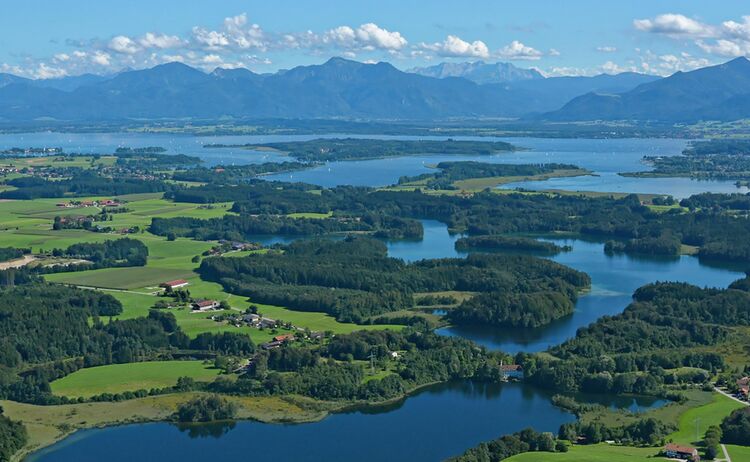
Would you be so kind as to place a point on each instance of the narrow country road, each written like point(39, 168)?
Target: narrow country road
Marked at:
point(731, 397)
point(726, 454)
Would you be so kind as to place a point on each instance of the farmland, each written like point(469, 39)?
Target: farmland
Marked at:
point(117, 378)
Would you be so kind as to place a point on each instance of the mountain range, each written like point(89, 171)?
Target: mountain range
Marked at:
point(712, 93)
point(341, 88)
point(479, 72)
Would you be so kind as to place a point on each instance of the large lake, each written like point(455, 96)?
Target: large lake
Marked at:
point(436, 423)
point(605, 157)
point(440, 421)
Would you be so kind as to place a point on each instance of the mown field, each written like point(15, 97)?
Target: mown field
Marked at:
point(117, 378)
point(29, 224)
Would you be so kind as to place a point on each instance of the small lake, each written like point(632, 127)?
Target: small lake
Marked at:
point(614, 279)
point(605, 157)
point(436, 423)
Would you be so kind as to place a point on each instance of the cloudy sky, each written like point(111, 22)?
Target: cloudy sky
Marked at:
point(54, 38)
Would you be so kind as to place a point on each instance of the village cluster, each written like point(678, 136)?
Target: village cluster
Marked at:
point(249, 318)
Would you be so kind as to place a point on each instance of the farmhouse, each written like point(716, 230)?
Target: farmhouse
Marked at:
point(251, 318)
point(678, 451)
point(271, 345)
point(512, 371)
point(176, 284)
point(205, 305)
point(267, 322)
point(284, 338)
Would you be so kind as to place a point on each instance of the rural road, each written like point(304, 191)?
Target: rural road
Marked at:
point(726, 454)
point(731, 397)
point(724, 448)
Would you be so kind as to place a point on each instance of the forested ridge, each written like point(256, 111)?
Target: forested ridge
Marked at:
point(711, 223)
point(668, 326)
point(367, 282)
point(450, 172)
point(329, 150)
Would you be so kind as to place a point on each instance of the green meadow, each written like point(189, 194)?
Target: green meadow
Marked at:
point(29, 224)
point(117, 378)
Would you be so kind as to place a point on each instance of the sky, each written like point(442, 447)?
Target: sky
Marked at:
point(57, 38)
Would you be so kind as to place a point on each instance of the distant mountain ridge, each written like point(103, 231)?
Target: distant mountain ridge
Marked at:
point(341, 88)
point(719, 92)
point(479, 72)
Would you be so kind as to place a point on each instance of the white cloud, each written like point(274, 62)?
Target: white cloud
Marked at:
point(44, 71)
point(101, 58)
point(123, 44)
point(454, 46)
point(606, 49)
point(728, 39)
point(674, 25)
point(724, 47)
point(161, 41)
point(367, 37)
point(373, 35)
point(211, 39)
point(518, 51)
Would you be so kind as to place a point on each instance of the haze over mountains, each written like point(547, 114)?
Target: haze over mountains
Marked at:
point(712, 93)
point(341, 88)
point(479, 72)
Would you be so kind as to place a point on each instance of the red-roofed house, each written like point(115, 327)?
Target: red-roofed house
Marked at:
point(514, 371)
point(678, 451)
point(205, 305)
point(284, 338)
point(176, 284)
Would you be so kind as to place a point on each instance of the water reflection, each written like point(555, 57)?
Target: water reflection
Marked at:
point(206, 430)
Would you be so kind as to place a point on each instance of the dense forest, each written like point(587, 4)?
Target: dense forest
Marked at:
point(12, 253)
point(668, 326)
point(12, 437)
point(330, 372)
point(107, 254)
point(330, 150)
point(242, 227)
point(235, 174)
point(710, 224)
point(367, 282)
point(46, 332)
point(449, 172)
point(507, 446)
point(509, 243)
point(715, 160)
point(83, 184)
point(735, 428)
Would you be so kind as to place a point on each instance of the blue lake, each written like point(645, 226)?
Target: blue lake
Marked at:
point(436, 423)
point(605, 157)
point(614, 279)
point(439, 421)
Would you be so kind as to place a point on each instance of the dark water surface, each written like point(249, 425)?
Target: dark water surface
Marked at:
point(614, 279)
point(605, 157)
point(436, 423)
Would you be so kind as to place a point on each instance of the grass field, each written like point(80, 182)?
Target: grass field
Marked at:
point(593, 453)
point(117, 378)
point(703, 417)
point(702, 409)
point(738, 453)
